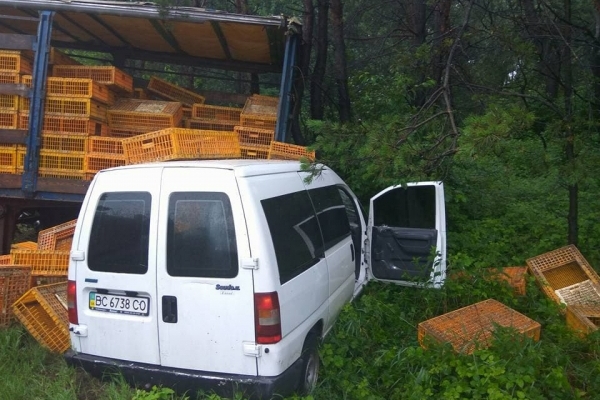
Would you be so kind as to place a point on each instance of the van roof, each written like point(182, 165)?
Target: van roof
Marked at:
point(241, 167)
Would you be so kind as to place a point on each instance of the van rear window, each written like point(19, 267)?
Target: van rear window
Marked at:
point(201, 236)
point(119, 235)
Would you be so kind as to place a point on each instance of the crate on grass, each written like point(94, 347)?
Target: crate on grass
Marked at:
point(42, 262)
point(287, 151)
point(14, 281)
point(566, 277)
point(142, 116)
point(53, 237)
point(584, 319)
point(472, 327)
point(43, 312)
point(170, 91)
point(113, 77)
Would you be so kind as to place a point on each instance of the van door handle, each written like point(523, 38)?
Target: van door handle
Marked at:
point(169, 309)
point(352, 250)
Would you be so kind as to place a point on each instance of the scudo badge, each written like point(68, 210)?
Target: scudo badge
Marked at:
point(227, 287)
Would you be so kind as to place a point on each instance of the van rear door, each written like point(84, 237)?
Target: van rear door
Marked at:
point(205, 295)
point(115, 272)
point(407, 235)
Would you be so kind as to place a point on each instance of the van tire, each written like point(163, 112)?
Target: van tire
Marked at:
point(310, 365)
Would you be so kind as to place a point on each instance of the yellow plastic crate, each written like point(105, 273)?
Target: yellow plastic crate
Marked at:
point(43, 312)
point(565, 276)
point(67, 107)
point(24, 245)
point(8, 119)
point(219, 145)
point(471, 327)
point(210, 113)
point(253, 153)
point(173, 92)
point(5, 260)
point(256, 138)
point(8, 159)
point(14, 281)
point(215, 125)
point(50, 238)
point(42, 262)
point(75, 144)
point(9, 102)
point(260, 112)
point(67, 125)
point(61, 161)
point(74, 88)
point(99, 161)
point(287, 151)
point(106, 75)
point(142, 116)
point(14, 62)
point(124, 133)
point(106, 145)
point(583, 319)
point(10, 77)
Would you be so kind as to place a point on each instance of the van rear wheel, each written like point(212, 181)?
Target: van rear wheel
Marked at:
point(310, 365)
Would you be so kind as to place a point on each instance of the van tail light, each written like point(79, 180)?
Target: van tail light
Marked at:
point(267, 318)
point(72, 302)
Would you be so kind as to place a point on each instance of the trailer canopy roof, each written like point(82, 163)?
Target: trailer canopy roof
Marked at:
point(142, 30)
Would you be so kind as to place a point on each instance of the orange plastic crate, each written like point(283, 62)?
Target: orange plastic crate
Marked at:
point(14, 62)
point(140, 93)
point(253, 153)
point(210, 125)
point(583, 319)
point(262, 100)
point(67, 125)
point(105, 145)
point(124, 133)
point(61, 161)
point(99, 161)
point(5, 260)
point(76, 144)
point(565, 276)
point(471, 327)
point(8, 119)
point(135, 115)
point(67, 107)
point(209, 113)
point(43, 262)
point(14, 281)
point(73, 87)
point(24, 245)
point(40, 280)
point(43, 312)
point(173, 92)
point(57, 57)
point(48, 238)
point(10, 77)
point(286, 151)
point(106, 75)
point(260, 112)
point(219, 145)
point(256, 138)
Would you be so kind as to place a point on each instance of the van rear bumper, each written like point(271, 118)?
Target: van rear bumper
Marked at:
point(189, 381)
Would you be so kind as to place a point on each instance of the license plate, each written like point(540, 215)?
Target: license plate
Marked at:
point(131, 305)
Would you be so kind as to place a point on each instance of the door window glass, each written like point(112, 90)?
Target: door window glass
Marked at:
point(411, 207)
point(201, 236)
point(119, 235)
point(331, 214)
point(295, 233)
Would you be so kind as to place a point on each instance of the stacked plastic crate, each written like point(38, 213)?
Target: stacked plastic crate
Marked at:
point(13, 65)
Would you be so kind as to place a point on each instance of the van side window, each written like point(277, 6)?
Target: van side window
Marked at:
point(331, 214)
point(201, 236)
point(295, 233)
point(120, 231)
point(412, 207)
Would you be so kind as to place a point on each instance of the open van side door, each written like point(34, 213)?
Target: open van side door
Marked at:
point(406, 235)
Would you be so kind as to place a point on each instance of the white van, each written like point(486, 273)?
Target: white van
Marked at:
point(224, 275)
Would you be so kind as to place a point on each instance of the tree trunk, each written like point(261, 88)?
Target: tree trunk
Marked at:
point(317, 105)
point(301, 78)
point(339, 48)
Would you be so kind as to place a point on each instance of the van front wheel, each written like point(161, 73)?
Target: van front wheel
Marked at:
point(310, 365)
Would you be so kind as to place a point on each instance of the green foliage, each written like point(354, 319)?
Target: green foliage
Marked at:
point(156, 393)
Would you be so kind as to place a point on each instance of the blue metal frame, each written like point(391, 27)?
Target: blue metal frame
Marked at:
point(36, 109)
point(285, 94)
